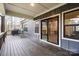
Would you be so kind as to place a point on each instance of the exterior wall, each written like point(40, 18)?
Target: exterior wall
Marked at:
point(30, 26)
point(70, 45)
point(65, 44)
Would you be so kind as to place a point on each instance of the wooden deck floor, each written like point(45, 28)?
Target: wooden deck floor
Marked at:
point(17, 46)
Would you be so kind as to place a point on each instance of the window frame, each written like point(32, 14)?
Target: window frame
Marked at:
point(63, 28)
point(42, 27)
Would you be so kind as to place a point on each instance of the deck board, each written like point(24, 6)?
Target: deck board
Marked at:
point(17, 46)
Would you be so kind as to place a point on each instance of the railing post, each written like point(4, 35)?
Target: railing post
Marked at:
point(2, 23)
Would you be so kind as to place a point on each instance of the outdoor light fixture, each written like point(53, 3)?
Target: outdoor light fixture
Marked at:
point(32, 4)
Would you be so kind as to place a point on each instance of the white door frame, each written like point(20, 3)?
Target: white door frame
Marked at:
point(59, 31)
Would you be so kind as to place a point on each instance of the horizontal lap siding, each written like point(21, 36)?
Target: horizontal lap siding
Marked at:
point(70, 45)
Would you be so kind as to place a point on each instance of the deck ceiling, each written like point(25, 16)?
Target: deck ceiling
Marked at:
point(28, 10)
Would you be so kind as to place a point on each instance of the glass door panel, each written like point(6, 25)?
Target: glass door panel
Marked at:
point(44, 30)
point(53, 33)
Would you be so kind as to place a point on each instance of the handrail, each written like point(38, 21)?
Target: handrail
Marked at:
point(2, 38)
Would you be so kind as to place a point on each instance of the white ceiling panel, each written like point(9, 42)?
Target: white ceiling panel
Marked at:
point(19, 10)
point(50, 5)
point(26, 8)
point(36, 9)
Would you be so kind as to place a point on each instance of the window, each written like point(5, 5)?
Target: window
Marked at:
point(44, 30)
point(37, 27)
point(71, 24)
point(25, 28)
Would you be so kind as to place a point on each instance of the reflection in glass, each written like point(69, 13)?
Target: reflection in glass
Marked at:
point(44, 30)
point(53, 30)
point(71, 24)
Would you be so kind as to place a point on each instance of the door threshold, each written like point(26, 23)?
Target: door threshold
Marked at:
point(50, 43)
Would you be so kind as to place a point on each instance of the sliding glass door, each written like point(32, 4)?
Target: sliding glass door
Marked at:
point(53, 34)
point(50, 30)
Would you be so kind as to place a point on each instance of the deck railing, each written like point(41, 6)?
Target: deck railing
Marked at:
point(2, 38)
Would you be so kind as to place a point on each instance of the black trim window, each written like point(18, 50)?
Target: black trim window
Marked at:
point(71, 24)
point(44, 30)
point(36, 28)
